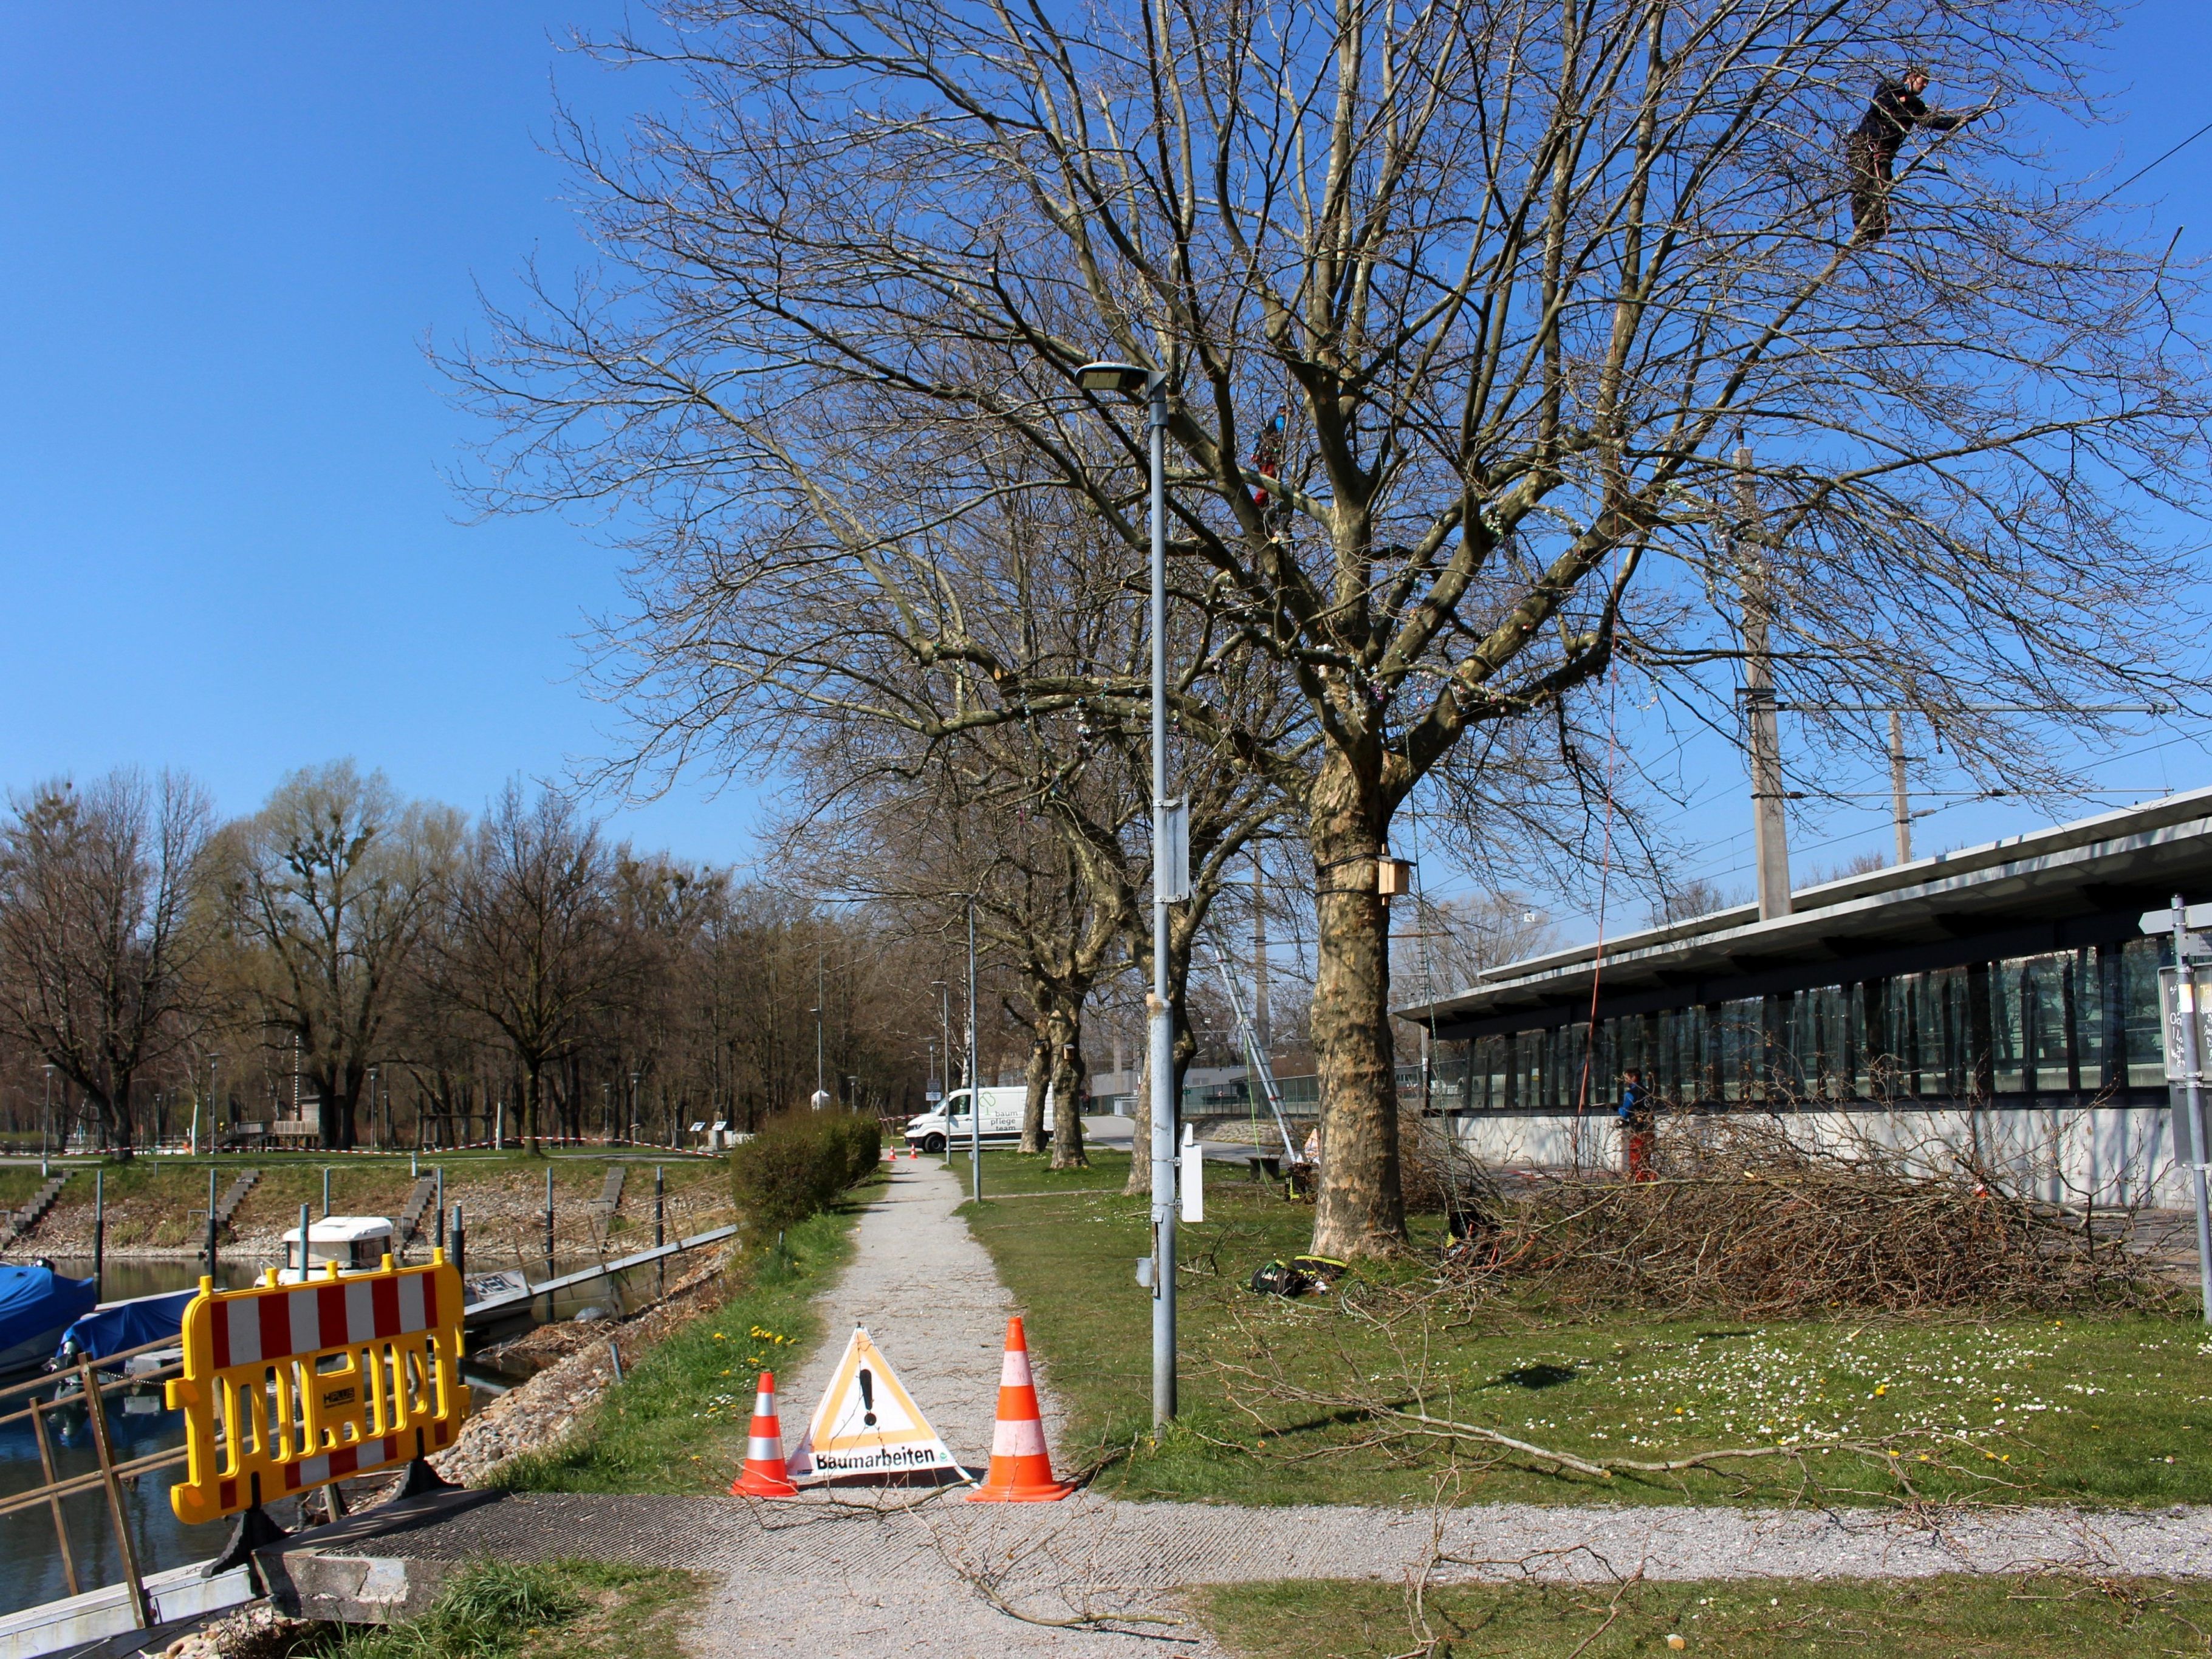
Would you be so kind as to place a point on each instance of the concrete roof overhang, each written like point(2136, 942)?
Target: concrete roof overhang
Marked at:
point(2006, 897)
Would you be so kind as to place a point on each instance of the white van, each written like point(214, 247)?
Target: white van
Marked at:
point(1002, 1120)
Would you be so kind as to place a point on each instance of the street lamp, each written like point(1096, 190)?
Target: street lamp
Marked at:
point(1168, 880)
point(974, 1082)
point(46, 1123)
point(821, 1095)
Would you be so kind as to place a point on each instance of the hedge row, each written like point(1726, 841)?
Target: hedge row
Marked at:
point(800, 1164)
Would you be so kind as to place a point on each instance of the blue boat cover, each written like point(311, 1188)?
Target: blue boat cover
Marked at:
point(130, 1324)
point(37, 1299)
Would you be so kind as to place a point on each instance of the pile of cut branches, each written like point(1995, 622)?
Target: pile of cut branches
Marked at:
point(1746, 1218)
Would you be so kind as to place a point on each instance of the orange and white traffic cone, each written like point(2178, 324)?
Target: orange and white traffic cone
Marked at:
point(1021, 1468)
point(765, 1474)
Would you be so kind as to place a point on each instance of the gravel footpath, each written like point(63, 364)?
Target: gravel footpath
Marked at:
point(932, 1300)
point(936, 1577)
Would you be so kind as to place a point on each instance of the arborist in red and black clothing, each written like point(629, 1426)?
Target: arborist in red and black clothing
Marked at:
point(1872, 152)
point(1640, 1125)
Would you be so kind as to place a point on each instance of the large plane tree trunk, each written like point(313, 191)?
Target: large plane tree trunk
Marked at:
point(1037, 1075)
point(1069, 1074)
point(1359, 1208)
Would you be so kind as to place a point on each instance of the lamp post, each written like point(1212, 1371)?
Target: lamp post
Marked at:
point(1133, 380)
point(943, 989)
point(975, 1088)
point(46, 1123)
point(214, 1110)
point(821, 1095)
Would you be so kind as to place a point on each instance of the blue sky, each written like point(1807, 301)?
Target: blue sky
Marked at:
point(227, 541)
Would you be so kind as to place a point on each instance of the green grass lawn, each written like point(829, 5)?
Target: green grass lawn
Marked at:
point(547, 1610)
point(1007, 1175)
point(677, 1422)
point(2108, 1409)
point(1970, 1617)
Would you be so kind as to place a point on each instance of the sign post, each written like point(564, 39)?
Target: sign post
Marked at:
point(2185, 997)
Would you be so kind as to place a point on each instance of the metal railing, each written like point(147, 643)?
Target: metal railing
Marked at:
point(93, 1385)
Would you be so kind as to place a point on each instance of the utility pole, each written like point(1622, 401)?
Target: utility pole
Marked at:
point(1770, 824)
point(1900, 807)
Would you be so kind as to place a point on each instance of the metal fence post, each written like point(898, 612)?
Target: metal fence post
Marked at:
point(46, 1465)
point(97, 1409)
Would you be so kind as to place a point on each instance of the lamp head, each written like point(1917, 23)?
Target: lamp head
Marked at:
point(1133, 379)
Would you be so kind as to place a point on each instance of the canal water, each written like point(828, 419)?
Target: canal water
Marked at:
point(138, 1425)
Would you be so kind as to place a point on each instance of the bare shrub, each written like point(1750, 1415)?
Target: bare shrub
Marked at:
point(1747, 1219)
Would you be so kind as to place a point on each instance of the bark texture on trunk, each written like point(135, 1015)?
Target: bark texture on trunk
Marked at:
point(530, 1109)
point(1069, 1074)
point(1360, 1209)
point(1140, 1157)
point(1037, 1074)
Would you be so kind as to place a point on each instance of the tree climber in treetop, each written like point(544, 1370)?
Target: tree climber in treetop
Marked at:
point(1881, 133)
point(1267, 462)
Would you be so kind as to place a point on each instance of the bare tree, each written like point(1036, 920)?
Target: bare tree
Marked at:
point(99, 941)
point(1507, 342)
point(331, 885)
point(533, 943)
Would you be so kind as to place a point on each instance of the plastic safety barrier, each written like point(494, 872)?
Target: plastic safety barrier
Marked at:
point(290, 1386)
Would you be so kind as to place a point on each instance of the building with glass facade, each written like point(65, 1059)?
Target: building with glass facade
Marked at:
point(2007, 977)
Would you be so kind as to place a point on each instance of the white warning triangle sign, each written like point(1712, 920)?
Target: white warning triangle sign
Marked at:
point(867, 1430)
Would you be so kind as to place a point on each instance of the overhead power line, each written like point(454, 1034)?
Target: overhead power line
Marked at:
point(2168, 155)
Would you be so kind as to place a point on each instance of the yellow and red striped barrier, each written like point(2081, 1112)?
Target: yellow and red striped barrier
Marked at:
point(289, 1386)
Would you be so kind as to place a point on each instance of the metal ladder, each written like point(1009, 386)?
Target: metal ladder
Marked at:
point(1260, 1066)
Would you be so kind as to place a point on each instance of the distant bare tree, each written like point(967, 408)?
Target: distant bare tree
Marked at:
point(533, 941)
point(1461, 938)
point(331, 885)
point(1686, 900)
point(99, 941)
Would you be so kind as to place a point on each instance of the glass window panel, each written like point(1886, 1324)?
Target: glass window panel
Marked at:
point(2043, 1016)
point(1743, 1047)
point(2008, 1041)
point(2145, 1060)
